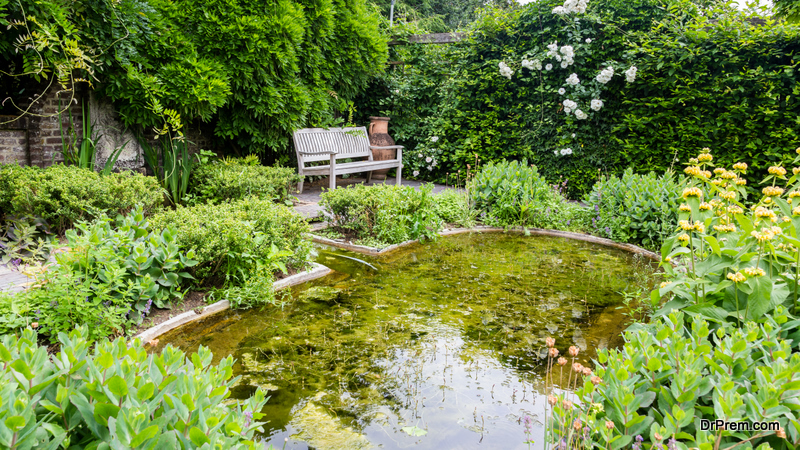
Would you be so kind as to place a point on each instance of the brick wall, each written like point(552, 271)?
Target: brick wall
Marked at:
point(13, 140)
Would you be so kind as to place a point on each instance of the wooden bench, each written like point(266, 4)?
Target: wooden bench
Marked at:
point(332, 144)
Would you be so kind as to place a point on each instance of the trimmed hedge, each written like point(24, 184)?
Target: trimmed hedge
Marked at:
point(63, 195)
point(231, 240)
point(235, 179)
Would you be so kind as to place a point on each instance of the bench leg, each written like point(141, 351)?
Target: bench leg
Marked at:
point(399, 171)
point(332, 184)
point(300, 186)
point(369, 176)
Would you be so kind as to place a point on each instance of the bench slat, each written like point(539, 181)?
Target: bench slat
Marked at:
point(353, 167)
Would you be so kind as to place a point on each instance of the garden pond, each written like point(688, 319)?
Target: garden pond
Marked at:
point(437, 345)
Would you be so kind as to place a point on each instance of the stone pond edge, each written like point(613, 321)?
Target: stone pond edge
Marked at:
point(316, 271)
point(482, 229)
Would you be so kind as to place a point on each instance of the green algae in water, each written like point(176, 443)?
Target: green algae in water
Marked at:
point(440, 345)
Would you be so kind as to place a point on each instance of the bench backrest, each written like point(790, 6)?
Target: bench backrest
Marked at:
point(350, 142)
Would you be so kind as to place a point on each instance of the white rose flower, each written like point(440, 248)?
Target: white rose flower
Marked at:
point(588, 40)
point(630, 74)
point(505, 70)
point(430, 168)
point(573, 80)
point(419, 156)
point(597, 104)
point(559, 10)
point(416, 172)
point(553, 47)
point(434, 164)
point(562, 91)
point(605, 75)
point(580, 115)
point(566, 151)
point(555, 152)
point(428, 159)
point(537, 64)
point(573, 135)
point(434, 138)
point(569, 105)
point(568, 51)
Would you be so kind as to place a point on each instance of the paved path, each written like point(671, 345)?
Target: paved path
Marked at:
point(307, 205)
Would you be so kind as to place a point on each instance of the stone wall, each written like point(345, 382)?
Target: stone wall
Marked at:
point(35, 138)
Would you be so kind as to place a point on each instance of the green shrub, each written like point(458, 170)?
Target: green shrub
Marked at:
point(116, 395)
point(454, 207)
point(24, 240)
point(12, 314)
point(383, 214)
point(512, 193)
point(655, 390)
point(641, 209)
point(232, 240)
point(235, 179)
point(108, 278)
point(63, 195)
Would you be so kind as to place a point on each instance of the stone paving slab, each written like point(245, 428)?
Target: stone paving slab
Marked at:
point(12, 281)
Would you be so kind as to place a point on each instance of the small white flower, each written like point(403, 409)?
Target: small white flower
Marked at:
point(434, 164)
point(430, 168)
point(588, 40)
point(568, 51)
point(573, 80)
point(573, 135)
point(548, 67)
point(605, 75)
point(559, 10)
point(555, 152)
point(597, 104)
point(397, 91)
point(419, 156)
point(566, 151)
point(505, 70)
point(564, 64)
point(580, 115)
point(569, 105)
point(434, 138)
point(428, 159)
point(416, 172)
point(630, 74)
point(562, 91)
point(537, 64)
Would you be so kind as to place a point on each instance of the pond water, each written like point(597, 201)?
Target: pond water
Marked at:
point(437, 346)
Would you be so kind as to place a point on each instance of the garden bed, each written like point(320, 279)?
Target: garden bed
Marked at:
point(194, 313)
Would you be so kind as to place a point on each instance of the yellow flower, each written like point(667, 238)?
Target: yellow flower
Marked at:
point(699, 227)
point(663, 284)
point(794, 194)
point(719, 171)
point(707, 174)
point(683, 238)
point(772, 191)
point(786, 219)
point(740, 166)
point(741, 181)
point(693, 161)
point(685, 208)
point(728, 175)
point(668, 259)
point(705, 206)
point(705, 157)
point(692, 192)
point(717, 182)
point(727, 228)
point(737, 277)
point(798, 150)
point(733, 209)
point(764, 213)
point(765, 235)
point(777, 170)
point(796, 211)
point(755, 271)
point(776, 230)
point(796, 170)
point(693, 171)
point(728, 195)
point(686, 225)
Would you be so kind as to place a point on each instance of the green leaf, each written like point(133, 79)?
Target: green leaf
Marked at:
point(198, 437)
point(102, 411)
point(15, 423)
point(147, 433)
point(117, 386)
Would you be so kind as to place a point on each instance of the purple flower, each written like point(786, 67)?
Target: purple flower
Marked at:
point(147, 307)
point(568, 221)
point(638, 444)
point(562, 445)
point(596, 209)
point(608, 231)
point(248, 418)
point(528, 422)
point(671, 444)
point(16, 262)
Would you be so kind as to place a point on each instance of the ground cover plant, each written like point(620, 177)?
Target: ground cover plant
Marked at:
point(63, 195)
point(117, 395)
point(238, 178)
point(234, 241)
point(109, 277)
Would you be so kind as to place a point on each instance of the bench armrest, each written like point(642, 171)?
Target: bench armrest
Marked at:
point(385, 147)
point(328, 152)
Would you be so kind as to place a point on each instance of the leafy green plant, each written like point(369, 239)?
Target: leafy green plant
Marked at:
point(116, 395)
point(24, 240)
point(385, 214)
point(235, 179)
point(171, 165)
point(668, 377)
point(231, 239)
point(108, 277)
point(454, 207)
point(643, 206)
point(63, 195)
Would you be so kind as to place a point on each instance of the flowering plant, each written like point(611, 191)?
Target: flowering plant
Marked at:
point(732, 262)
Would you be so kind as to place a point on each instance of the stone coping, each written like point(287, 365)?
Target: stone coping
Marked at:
point(483, 229)
point(316, 271)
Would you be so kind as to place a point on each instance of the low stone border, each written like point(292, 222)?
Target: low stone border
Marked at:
point(316, 271)
point(482, 229)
